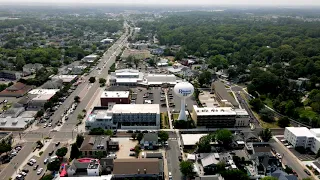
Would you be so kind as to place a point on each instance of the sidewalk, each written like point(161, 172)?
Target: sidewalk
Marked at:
point(26, 160)
point(292, 155)
point(165, 165)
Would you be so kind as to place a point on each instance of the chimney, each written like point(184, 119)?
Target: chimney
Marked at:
point(145, 171)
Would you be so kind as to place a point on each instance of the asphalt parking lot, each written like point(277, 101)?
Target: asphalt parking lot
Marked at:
point(154, 94)
point(302, 157)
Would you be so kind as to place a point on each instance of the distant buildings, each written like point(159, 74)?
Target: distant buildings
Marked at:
point(107, 41)
point(132, 77)
point(31, 68)
point(126, 116)
point(10, 75)
point(16, 90)
point(65, 78)
point(115, 97)
point(219, 117)
point(90, 58)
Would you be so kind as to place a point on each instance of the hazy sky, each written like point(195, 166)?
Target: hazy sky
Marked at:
point(181, 2)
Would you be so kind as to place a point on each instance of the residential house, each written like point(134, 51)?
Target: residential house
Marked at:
point(95, 146)
point(16, 90)
point(149, 141)
point(10, 75)
point(107, 164)
point(31, 68)
point(281, 175)
point(138, 168)
point(83, 166)
point(262, 159)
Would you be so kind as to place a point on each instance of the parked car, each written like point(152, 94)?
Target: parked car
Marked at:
point(131, 149)
point(132, 154)
point(35, 167)
point(39, 171)
point(58, 143)
point(25, 170)
point(46, 160)
point(170, 176)
point(50, 153)
point(307, 172)
point(180, 158)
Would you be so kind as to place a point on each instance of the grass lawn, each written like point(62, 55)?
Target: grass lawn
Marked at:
point(175, 116)
point(268, 102)
point(164, 121)
point(231, 94)
point(265, 124)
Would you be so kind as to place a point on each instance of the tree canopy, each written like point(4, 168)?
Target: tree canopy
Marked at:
point(61, 152)
point(186, 168)
point(265, 134)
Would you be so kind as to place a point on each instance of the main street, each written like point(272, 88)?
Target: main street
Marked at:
point(67, 131)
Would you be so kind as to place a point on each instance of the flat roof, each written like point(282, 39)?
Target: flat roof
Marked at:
point(220, 89)
point(42, 97)
point(64, 78)
point(127, 80)
point(14, 123)
point(115, 94)
point(106, 177)
point(136, 108)
point(300, 131)
point(43, 91)
point(205, 111)
point(191, 139)
point(91, 56)
point(315, 131)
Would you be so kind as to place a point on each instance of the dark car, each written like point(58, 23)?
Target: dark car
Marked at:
point(25, 170)
point(180, 158)
point(35, 167)
point(57, 143)
point(307, 172)
point(50, 153)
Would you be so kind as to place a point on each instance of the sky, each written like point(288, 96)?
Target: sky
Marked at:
point(179, 2)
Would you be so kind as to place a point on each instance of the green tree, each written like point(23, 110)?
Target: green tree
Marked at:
point(102, 81)
point(54, 165)
point(40, 113)
point(205, 78)
point(224, 136)
point(79, 140)
point(256, 104)
point(269, 178)
point(75, 153)
point(10, 83)
point(77, 99)
point(96, 131)
point(234, 174)
point(62, 152)
point(283, 122)
point(318, 153)
point(47, 177)
point(265, 134)
point(137, 150)
point(186, 168)
point(133, 136)
point(204, 145)
point(5, 147)
point(220, 167)
point(163, 135)
point(20, 62)
point(108, 132)
point(140, 136)
point(308, 178)
point(266, 115)
point(92, 79)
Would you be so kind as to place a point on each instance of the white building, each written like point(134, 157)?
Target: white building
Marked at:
point(41, 96)
point(127, 116)
point(302, 136)
point(10, 123)
point(220, 117)
point(107, 41)
point(105, 177)
point(90, 58)
point(159, 79)
point(64, 78)
point(125, 77)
